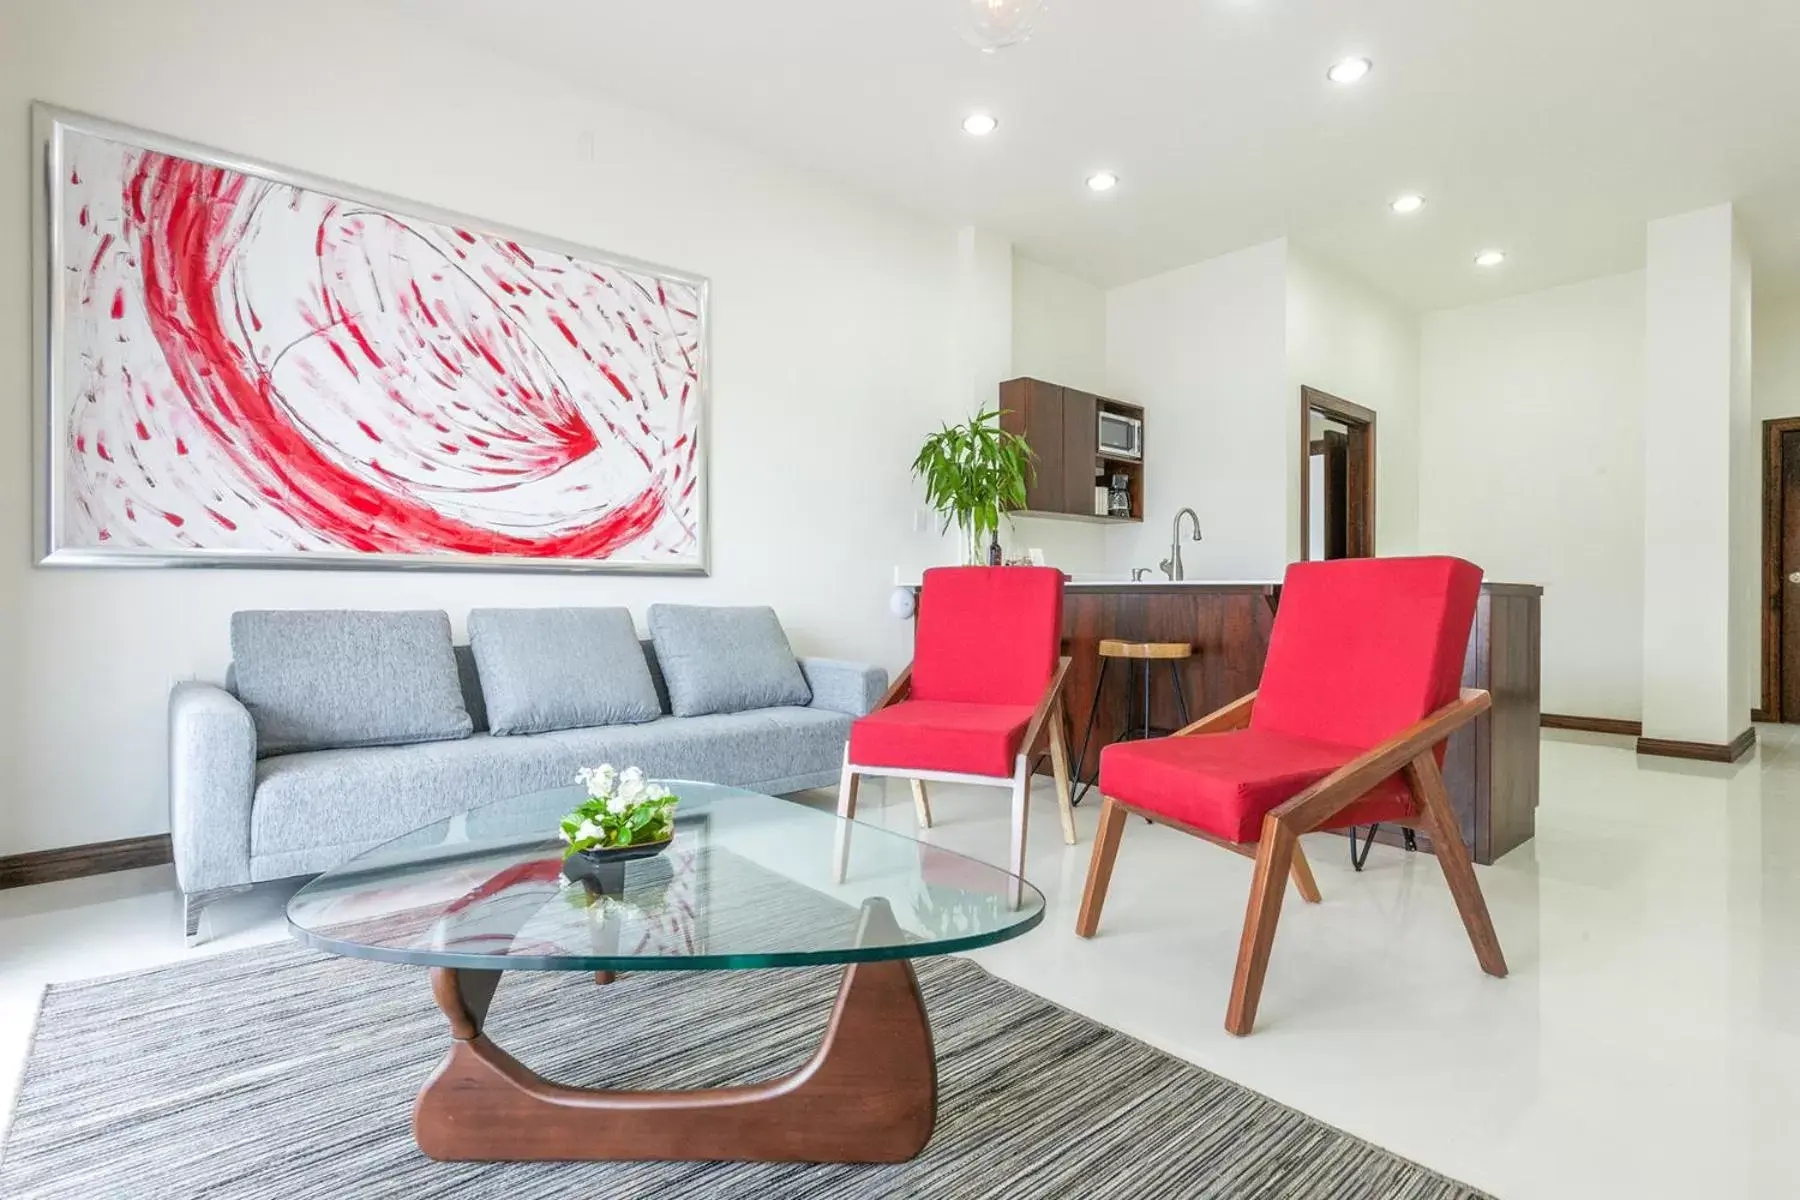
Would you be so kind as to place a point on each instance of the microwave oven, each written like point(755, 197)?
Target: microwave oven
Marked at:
point(1121, 437)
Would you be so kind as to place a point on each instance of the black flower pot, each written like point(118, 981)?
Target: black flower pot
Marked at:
point(604, 870)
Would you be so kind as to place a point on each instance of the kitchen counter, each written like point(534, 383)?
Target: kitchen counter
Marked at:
point(1490, 765)
point(1256, 586)
point(1261, 586)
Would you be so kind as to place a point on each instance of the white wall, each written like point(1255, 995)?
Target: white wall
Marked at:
point(1203, 349)
point(1059, 327)
point(1348, 339)
point(831, 344)
point(1776, 365)
point(1059, 335)
point(1531, 464)
point(1746, 496)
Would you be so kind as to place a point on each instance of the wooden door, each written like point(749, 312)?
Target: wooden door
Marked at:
point(1790, 575)
point(1081, 416)
point(1033, 409)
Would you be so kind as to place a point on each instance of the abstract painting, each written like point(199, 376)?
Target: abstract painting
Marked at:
point(243, 365)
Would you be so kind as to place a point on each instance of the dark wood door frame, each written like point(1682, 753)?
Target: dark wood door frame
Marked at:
point(1360, 422)
point(1773, 590)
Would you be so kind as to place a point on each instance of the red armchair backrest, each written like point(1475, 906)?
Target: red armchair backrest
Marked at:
point(1364, 647)
point(987, 635)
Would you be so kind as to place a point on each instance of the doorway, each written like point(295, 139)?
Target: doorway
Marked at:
point(1781, 572)
point(1337, 477)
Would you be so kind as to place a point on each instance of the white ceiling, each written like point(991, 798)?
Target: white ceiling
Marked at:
point(1551, 128)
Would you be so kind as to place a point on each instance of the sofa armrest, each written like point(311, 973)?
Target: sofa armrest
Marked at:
point(212, 780)
point(845, 687)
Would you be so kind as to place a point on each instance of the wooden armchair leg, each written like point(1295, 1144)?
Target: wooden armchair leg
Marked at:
point(1021, 814)
point(1304, 883)
point(1274, 860)
point(1100, 865)
point(1446, 840)
point(921, 803)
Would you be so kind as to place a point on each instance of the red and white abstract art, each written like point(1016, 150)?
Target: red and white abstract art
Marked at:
point(242, 365)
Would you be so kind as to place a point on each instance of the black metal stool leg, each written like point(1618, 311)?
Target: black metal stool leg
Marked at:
point(1144, 670)
point(1357, 860)
point(1180, 696)
point(1087, 736)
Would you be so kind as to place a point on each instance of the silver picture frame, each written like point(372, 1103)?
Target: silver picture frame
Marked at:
point(49, 422)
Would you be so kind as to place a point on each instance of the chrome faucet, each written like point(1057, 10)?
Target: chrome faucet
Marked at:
point(1171, 566)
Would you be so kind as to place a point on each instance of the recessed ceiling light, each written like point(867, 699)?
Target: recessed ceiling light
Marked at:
point(980, 124)
point(1490, 258)
point(1349, 70)
point(1407, 202)
point(1102, 181)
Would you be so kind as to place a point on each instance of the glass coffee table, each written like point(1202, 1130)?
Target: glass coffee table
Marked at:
point(748, 882)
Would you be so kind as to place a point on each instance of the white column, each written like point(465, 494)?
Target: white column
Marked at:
point(1697, 422)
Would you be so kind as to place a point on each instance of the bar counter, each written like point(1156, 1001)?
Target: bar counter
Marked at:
point(1491, 767)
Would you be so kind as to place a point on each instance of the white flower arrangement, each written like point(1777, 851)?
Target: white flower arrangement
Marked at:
point(622, 809)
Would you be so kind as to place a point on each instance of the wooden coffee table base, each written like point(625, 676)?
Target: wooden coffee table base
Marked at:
point(868, 1095)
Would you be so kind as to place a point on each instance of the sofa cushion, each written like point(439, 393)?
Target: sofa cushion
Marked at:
point(761, 750)
point(468, 678)
point(355, 798)
point(560, 668)
point(318, 680)
point(723, 660)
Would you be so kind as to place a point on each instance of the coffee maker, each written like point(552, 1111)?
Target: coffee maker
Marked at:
point(1119, 505)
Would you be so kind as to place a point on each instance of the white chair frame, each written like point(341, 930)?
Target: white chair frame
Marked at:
point(1047, 721)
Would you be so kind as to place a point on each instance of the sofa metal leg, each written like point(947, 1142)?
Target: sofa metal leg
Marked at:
point(194, 903)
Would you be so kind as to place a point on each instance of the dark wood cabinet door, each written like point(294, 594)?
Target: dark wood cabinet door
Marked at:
point(1337, 495)
point(1081, 416)
point(1033, 409)
point(1790, 568)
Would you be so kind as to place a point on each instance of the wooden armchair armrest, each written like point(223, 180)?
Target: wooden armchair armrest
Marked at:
point(1235, 715)
point(1350, 782)
point(1046, 705)
point(897, 690)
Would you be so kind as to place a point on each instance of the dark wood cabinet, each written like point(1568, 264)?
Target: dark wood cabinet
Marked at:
point(1035, 411)
point(1060, 424)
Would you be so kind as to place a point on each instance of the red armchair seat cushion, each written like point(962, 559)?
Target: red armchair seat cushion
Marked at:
point(1225, 783)
point(942, 735)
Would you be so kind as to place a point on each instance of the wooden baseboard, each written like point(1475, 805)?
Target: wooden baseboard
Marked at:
point(1704, 751)
point(1592, 724)
point(1761, 715)
point(73, 862)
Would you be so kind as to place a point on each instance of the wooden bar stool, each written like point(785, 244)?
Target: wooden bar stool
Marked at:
point(1143, 656)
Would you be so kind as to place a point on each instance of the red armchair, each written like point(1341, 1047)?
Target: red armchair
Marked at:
point(985, 683)
point(1360, 689)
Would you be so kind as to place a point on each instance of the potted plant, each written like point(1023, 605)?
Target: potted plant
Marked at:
point(625, 816)
point(975, 473)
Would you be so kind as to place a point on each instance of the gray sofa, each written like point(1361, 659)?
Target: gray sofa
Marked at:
point(245, 808)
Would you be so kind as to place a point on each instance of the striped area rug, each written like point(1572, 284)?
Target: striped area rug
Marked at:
point(279, 1074)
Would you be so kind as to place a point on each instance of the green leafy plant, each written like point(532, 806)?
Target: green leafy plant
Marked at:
point(975, 473)
point(622, 809)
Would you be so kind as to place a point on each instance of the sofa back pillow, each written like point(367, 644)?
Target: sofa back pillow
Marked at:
point(722, 660)
point(560, 668)
point(318, 680)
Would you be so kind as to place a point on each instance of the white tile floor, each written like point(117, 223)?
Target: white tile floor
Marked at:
point(1647, 1043)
